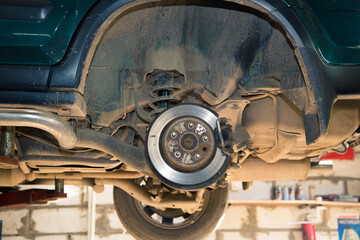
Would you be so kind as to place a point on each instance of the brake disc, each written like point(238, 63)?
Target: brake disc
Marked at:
point(182, 149)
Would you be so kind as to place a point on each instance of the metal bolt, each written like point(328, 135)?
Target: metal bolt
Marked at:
point(197, 156)
point(177, 154)
point(173, 134)
point(205, 138)
point(191, 125)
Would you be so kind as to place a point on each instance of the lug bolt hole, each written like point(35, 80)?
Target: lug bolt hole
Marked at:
point(204, 149)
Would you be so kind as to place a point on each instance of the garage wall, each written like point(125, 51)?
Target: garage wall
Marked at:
point(66, 219)
point(264, 223)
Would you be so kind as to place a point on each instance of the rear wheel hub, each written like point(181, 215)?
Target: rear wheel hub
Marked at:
point(188, 143)
point(182, 148)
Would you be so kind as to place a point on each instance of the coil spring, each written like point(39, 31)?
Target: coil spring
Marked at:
point(164, 86)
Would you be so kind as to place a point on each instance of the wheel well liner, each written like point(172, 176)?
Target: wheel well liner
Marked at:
point(71, 73)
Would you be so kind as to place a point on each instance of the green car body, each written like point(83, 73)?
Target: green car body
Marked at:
point(42, 41)
point(333, 26)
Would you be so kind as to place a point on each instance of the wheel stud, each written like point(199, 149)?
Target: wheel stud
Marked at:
point(205, 138)
point(197, 156)
point(177, 154)
point(191, 125)
point(173, 134)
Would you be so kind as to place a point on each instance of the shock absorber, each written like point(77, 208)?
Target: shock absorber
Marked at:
point(164, 85)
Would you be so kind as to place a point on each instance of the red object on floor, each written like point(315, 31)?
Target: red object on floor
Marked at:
point(28, 197)
point(349, 155)
point(308, 231)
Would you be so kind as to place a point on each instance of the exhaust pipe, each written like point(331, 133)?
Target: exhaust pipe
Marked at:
point(65, 135)
point(48, 122)
point(255, 169)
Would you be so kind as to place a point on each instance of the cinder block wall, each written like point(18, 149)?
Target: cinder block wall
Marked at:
point(66, 219)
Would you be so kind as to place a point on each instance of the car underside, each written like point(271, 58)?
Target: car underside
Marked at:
point(169, 101)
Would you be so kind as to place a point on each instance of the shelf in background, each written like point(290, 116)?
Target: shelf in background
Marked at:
point(295, 203)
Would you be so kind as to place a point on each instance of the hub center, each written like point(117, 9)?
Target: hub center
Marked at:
point(188, 143)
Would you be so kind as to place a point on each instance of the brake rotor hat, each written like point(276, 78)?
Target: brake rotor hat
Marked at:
point(182, 148)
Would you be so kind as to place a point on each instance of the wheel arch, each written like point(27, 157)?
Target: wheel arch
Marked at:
point(71, 73)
